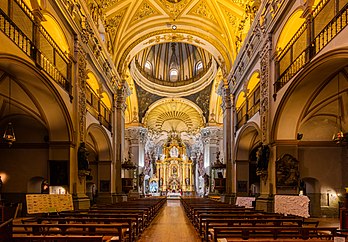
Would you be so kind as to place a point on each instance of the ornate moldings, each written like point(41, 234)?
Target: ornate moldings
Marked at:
point(232, 19)
point(174, 7)
point(112, 23)
point(145, 10)
point(136, 135)
point(264, 90)
point(109, 3)
point(202, 9)
point(212, 135)
point(172, 37)
point(82, 76)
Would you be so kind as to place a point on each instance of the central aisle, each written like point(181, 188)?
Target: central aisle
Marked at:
point(170, 225)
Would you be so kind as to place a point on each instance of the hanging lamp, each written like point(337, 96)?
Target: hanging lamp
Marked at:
point(9, 135)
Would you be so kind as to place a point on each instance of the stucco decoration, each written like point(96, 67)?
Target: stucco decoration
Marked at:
point(292, 205)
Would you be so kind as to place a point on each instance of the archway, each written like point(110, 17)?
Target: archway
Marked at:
point(101, 164)
point(247, 143)
point(41, 122)
point(308, 116)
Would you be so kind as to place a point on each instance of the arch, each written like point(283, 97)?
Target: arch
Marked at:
point(304, 92)
point(54, 113)
point(106, 100)
point(254, 80)
point(103, 147)
point(248, 137)
point(55, 31)
point(34, 184)
point(92, 81)
point(240, 99)
point(291, 26)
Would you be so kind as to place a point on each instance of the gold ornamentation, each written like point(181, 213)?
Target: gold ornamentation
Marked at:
point(202, 9)
point(174, 7)
point(144, 11)
point(113, 23)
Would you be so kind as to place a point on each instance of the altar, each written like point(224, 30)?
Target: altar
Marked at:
point(174, 168)
point(173, 195)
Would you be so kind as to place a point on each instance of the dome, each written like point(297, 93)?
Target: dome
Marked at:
point(173, 69)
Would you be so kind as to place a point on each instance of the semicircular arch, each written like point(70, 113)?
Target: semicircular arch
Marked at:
point(98, 139)
point(248, 137)
point(304, 92)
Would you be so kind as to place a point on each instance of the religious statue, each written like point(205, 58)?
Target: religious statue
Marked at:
point(82, 155)
point(206, 179)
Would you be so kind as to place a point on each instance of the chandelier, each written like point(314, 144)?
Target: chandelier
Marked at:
point(9, 135)
point(339, 137)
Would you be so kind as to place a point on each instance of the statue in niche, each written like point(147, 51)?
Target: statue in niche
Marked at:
point(82, 155)
point(174, 152)
point(287, 171)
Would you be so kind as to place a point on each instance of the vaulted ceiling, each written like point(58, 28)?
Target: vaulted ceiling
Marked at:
point(134, 27)
point(214, 25)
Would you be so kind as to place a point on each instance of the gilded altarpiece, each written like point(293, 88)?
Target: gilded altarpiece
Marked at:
point(174, 169)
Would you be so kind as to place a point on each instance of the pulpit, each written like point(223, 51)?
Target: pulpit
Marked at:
point(127, 184)
point(220, 184)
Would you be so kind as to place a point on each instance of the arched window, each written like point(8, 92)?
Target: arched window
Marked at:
point(174, 75)
point(148, 66)
point(199, 66)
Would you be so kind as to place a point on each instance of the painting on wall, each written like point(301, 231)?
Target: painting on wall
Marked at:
point(59, 173)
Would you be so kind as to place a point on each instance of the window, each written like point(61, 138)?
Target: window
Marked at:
point(174, 75)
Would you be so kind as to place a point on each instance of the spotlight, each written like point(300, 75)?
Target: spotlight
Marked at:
point(174, 27)
point(299, 136)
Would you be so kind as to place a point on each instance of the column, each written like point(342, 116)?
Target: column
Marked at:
point(118, 140)
point(228, 141)
point(267, 181)
point(212, 139)
point(136, 138)
point(80, 199)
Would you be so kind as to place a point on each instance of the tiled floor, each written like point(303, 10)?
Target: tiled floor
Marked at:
point(170, 225)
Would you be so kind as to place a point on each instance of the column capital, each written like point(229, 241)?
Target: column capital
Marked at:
point(136, 135)
point(212, 134)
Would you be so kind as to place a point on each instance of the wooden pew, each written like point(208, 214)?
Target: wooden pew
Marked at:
point(134, 221)
point(38, 238)
point(205, 216)
point(6, 230)
point(259, 222)
point(128, 223)
point(114, 230)
point(246, 233)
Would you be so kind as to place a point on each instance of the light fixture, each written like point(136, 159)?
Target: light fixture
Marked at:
point(339, 137)
point(9, 135)
point(174, 27)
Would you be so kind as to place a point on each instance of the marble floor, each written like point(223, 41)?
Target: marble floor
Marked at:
point(170, 225)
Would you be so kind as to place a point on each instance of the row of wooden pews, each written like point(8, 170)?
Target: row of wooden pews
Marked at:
point(216, 221)
point(108, 222)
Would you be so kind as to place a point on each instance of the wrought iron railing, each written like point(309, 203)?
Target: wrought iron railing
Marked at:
point(97, 108)
point(254, 101)
point(298, 53)
point(241, 115)
point(51, 58)
point(245, 112)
